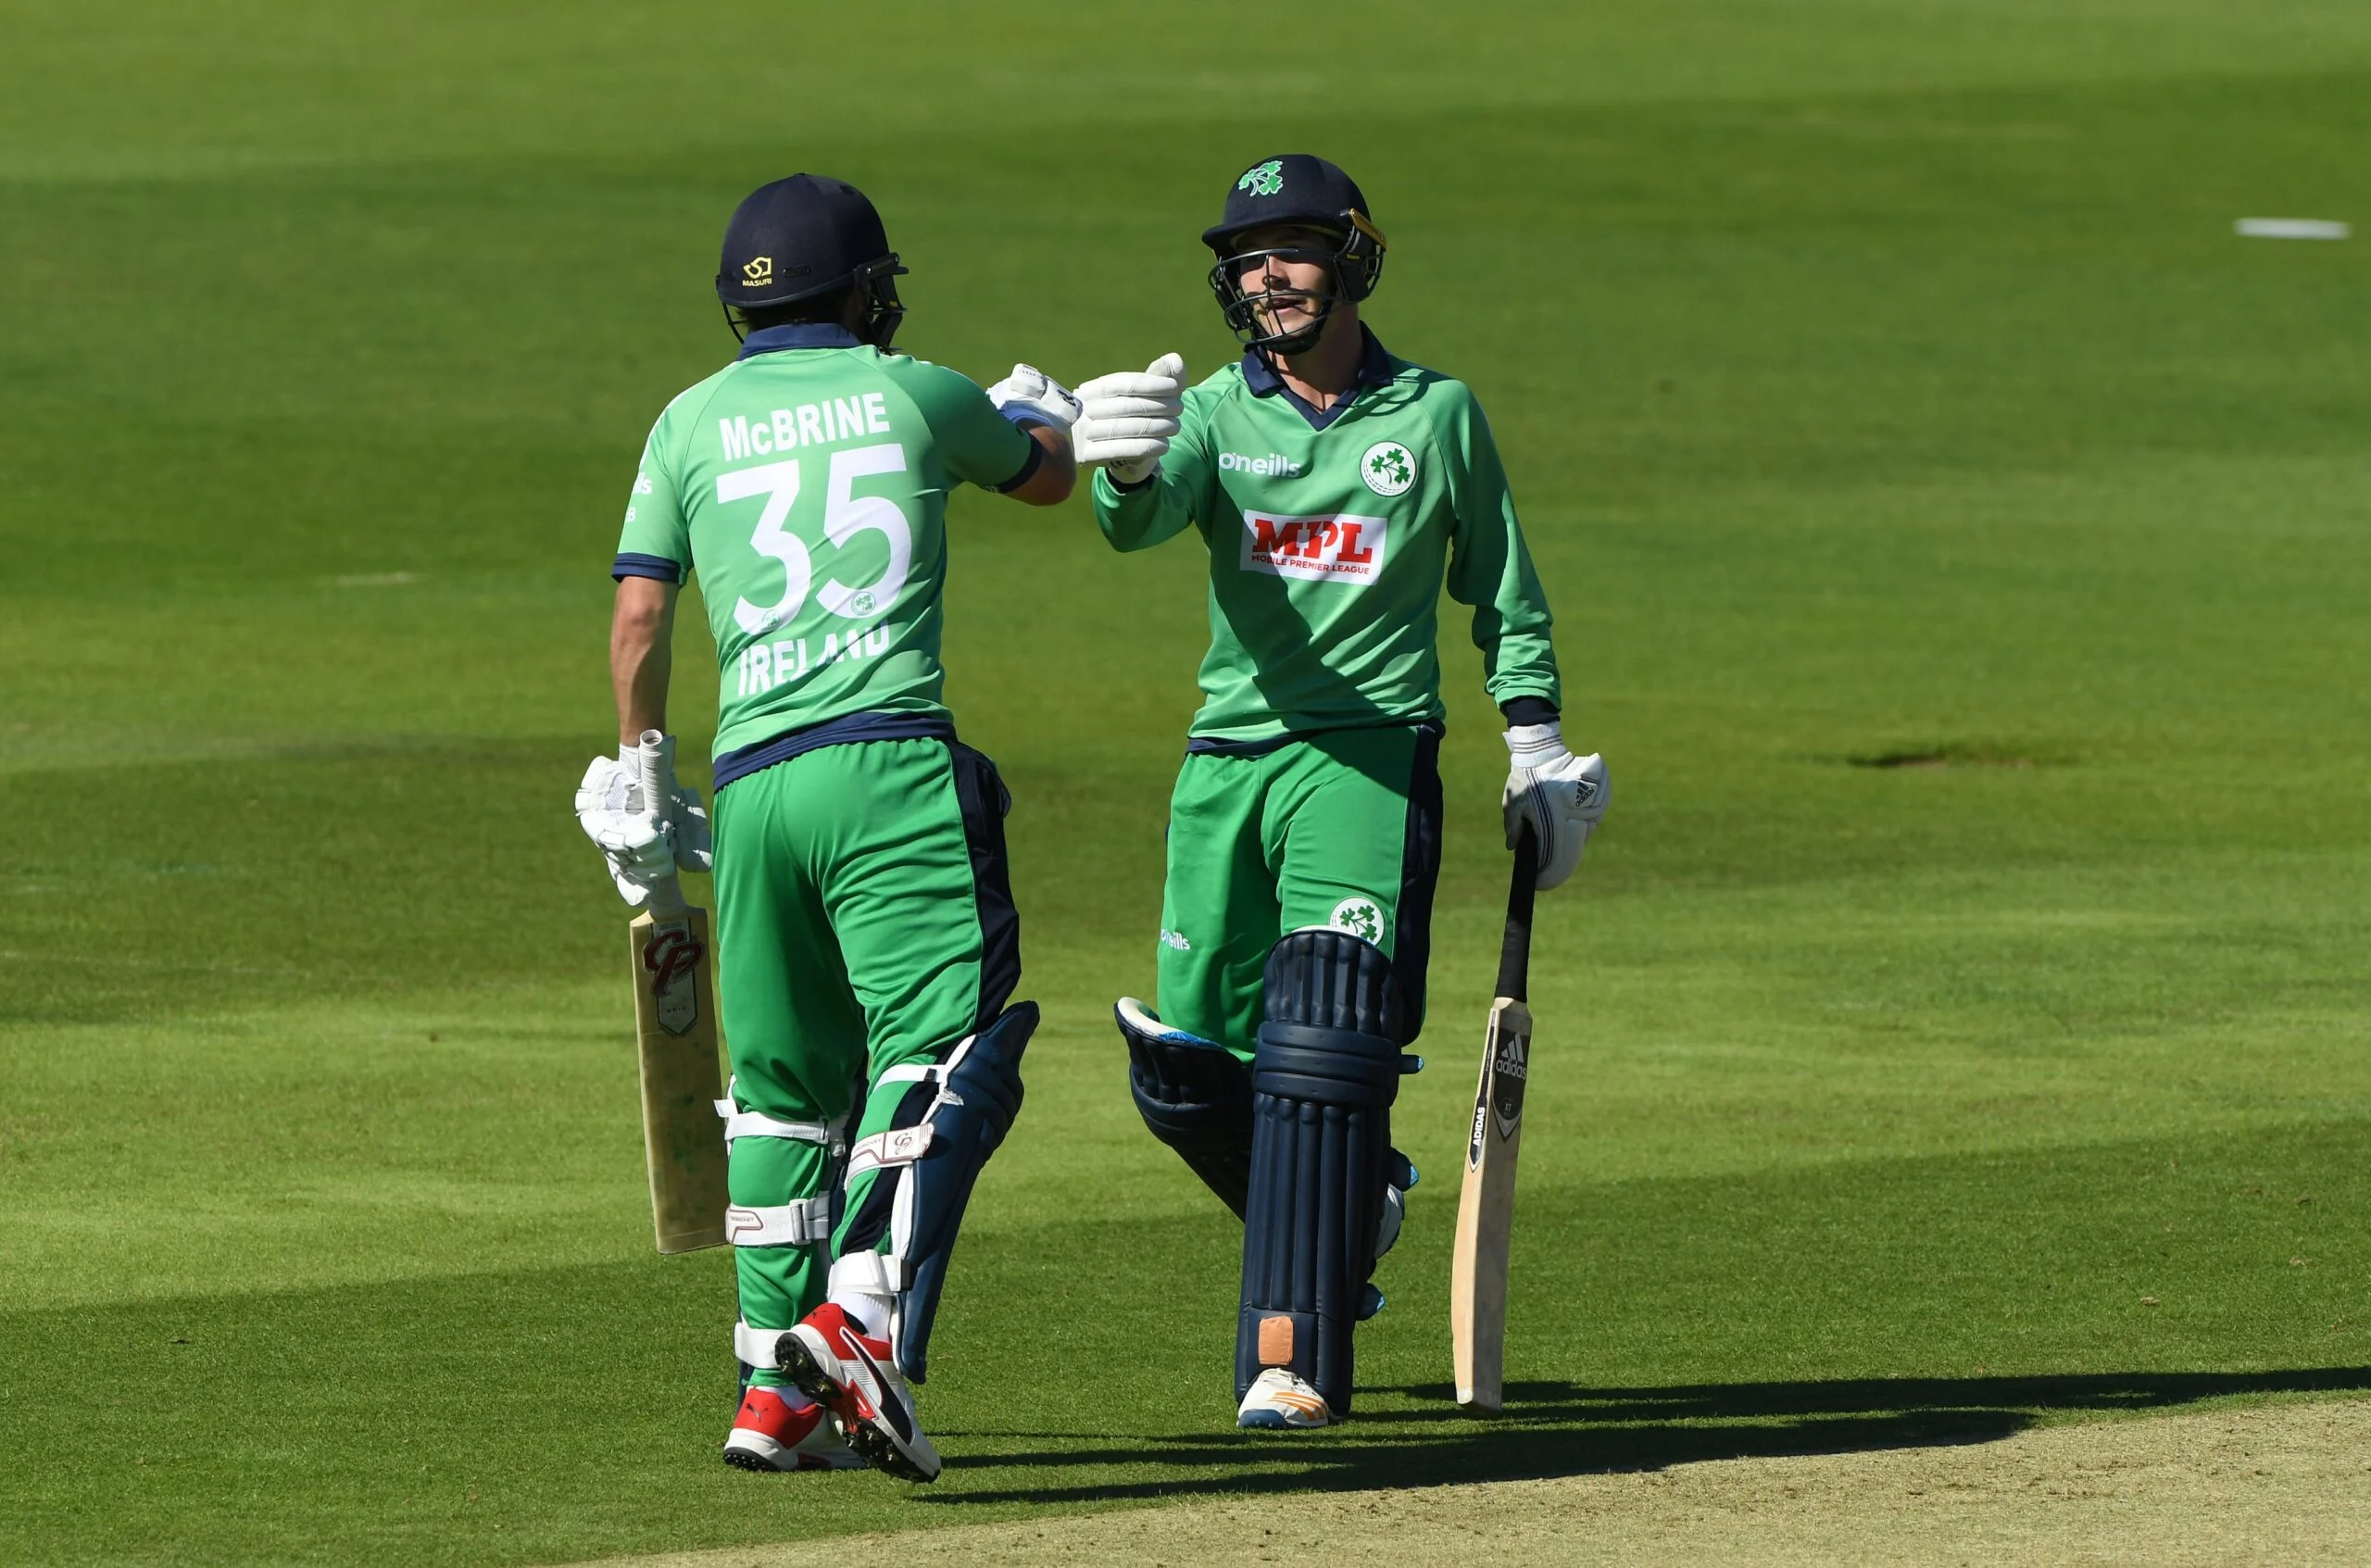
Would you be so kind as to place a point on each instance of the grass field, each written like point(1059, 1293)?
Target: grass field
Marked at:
point(1881, 383)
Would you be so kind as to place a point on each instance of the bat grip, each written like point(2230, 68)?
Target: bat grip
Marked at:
point(1514, 957)
point(658, 796)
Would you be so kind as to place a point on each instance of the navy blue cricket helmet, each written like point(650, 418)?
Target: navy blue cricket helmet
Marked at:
point(804, 237)
point(1303, 191)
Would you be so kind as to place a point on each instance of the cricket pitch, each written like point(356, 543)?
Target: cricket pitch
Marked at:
point(2284, 1483)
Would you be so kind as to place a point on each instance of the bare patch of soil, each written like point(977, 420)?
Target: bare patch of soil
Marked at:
point(2289, 1483)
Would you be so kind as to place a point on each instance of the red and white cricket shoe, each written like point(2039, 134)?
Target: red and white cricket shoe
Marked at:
point(853, 1376)
point(782, 1429)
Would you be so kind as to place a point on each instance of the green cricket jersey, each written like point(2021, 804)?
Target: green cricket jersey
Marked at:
point(807, 484)
point(1329, 542)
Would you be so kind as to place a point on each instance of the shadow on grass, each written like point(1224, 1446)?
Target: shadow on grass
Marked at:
point(1551, 1429)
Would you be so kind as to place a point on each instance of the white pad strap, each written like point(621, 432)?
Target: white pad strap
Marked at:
point(945, 1069)
point(861, 1273)
point(801, 1224)
point(757, 1124)
point(902, 1145)
point(899, 1145)
point(756, 1346)
point(739, 1123)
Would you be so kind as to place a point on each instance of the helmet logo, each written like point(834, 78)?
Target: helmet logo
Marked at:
point(758, 270)
point(1267, 179)
point(1388, 468)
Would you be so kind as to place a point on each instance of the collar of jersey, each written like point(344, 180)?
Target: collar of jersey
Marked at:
point(1260, 379)
point(798, 334)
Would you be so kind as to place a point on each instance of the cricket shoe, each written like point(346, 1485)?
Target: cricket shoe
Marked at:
point(1278, 1399)
point(853, 1376)
point(780, 1429)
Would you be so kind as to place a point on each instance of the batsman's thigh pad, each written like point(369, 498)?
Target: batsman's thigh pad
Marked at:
point(1195, 1097)
point(971, 1100)
point(1323, 1079)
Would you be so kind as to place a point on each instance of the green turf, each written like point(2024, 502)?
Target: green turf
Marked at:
point(1960, 541)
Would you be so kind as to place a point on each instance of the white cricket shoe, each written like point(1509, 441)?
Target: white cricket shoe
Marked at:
point(1277, 1399)
point(853, 1376)
point(782, 1429)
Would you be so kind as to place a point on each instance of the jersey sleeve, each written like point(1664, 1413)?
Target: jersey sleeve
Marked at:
point(1137, 517)
point(977, 445)
point(654, 542)
point(1490, 567)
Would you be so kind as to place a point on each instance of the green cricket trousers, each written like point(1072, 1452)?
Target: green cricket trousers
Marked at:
point(864, 926)
point(1339, 829)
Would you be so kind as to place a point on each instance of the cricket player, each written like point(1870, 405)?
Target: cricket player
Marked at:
point(867, 938)
point(1336, 486)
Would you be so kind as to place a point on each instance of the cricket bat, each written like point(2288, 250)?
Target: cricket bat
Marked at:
point(1485, 1208)
point(675, 1009)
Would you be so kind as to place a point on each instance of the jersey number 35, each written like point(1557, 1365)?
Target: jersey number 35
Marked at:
point(846, 515)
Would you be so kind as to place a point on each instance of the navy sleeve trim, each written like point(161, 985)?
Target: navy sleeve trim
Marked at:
point(1128, 486)
point(1028, 470)
point(631, 565)
point(1528, 710)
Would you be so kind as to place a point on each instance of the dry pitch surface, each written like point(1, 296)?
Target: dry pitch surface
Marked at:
point(2289, 1483)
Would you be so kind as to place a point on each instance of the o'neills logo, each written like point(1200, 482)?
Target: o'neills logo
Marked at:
point(1274, 465)
point(1315, 549)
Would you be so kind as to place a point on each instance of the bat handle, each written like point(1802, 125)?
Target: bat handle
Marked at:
point(1514, 957)
point(657, 793)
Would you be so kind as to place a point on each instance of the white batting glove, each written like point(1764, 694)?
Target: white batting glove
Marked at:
point(643, 848)
point(1128, 416)
point(1031, 393)
point(1560, 795)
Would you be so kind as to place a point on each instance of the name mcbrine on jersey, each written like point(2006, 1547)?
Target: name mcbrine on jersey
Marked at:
point(1335, 548)
point(807, 424)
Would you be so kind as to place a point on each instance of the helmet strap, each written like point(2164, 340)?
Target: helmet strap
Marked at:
point(882, 309)
point(1289, 345)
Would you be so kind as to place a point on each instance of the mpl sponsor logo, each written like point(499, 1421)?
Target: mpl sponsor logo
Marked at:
point(1338, 548)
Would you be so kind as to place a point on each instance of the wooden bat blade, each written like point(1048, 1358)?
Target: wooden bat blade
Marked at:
point(683, 1140)
point(1486, 1210)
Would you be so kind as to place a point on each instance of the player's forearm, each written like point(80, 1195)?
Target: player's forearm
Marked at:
point(1518, 659)
point(1051, 482)
point(641, 647)
point(1139, 517)
point(1522, 678)
point(1493, 572)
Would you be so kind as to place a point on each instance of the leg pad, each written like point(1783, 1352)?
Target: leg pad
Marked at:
point(1323, 1079)
point(1194, 1097)
point(967, 1104)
